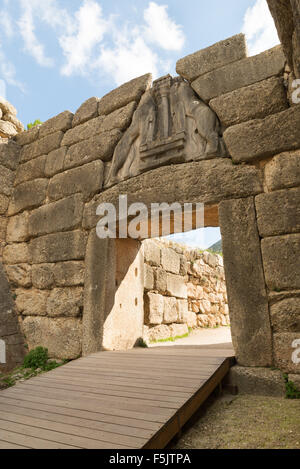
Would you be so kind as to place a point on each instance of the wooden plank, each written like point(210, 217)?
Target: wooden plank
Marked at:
point(57, 437)
point(92, 434)
point(6, 445)
point(31, 442)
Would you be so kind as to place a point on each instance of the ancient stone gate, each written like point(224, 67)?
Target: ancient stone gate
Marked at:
point(225, 133)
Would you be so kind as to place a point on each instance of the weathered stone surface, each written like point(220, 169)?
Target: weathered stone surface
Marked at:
point(176, 286)
point(252, 102)
point(31, 302)
point(27, 137)
point(240, 74)
point(285, 315)
point(43, 276)
point(19, 275)
point(16, 254)
point(262, 138)
point(281, 256)
point(62, 121)
point(178, 330)
point(100, 147)
point(130, 91)
point(33, 169)
point(42, 146)
point(247, 298)
point(7, 178)
point(257, 381)
point(5, 107)
point(213, 57)
point(161, 280)
point(58, 247)
point(28, 195)
point(278, 212)
point(17, 228)
point(64, 215)
point(157, 333)
point(55, 161)
point(87, 180)
point(3, 227)
point(69, 274)
point(148, 277)
point(207, 181)
point(154, 308)
point(170, 310)
point(88, 110)
point(295, 379)
point(83, 132)
point(62, 337)
point(183, 311)
point(284, 351)
point(152, 252)
point(9, 154)
point(11, 118)
point(65, 302)
point(7, 129)
point(170, 260)
point(283, 171)
point(4, 201)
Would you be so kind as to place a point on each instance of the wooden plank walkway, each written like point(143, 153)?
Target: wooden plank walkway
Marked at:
point(113, 400)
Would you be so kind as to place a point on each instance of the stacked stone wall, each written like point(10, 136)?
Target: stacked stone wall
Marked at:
point(184, 289)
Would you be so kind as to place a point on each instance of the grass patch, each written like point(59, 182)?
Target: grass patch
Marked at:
point(33, 124)
point(291, 391)
point(170, 339)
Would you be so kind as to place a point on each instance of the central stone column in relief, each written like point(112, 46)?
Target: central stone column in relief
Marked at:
point(171, 125)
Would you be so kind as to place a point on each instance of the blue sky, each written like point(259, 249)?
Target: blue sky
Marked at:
point(55, 54)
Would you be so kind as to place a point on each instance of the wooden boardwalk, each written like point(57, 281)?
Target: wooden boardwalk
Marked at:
point(124, 400)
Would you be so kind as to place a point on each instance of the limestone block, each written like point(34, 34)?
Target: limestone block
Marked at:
point(183, 311)
point(43, 276)
point(205, 306)
point(284, 351)
point(62, 337)
point(183, 265)
point(88, 110)
point(27, 137)
point(170, 260)
point(7, 178)
point(160, 332)
point(285, 315)
point(87, 179)
point(62, 121)
point(4, 201)
point(65, 302)
point(69, 274)
point(213, 57)
point(211, 259)
point(152, 252)
point(16, 254)
point(281, 256)
point(154, 308)
point(64, 215)
point(283, 171)
point(32, 302)
point(278, 212)
point(9, 154)
point(170, 310)
point(19, 275)
point(128, 92)
point(55, 161)
point(5, 106)
point(176, 286)
point(33, 169)
point(28, 195)
point(263, 138)
point(161, 280)
point(248, 303)
point(240, 74)
point(252, 102)
point(148, 277)
point(11, 118)
point(99, 147)
point(58, 247)
point(42, 146)
point(119, 119)
point(7, 129)
point(178, 330)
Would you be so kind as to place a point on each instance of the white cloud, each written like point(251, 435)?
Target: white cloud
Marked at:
point(8, 72)
point(6, 23)
point(90, 27)
point(26, 25)
point(259, 28)
point(162, 30)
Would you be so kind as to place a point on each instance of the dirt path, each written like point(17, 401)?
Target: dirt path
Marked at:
point(245, 422)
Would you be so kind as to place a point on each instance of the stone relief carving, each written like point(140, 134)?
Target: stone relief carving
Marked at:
point(170, 125)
